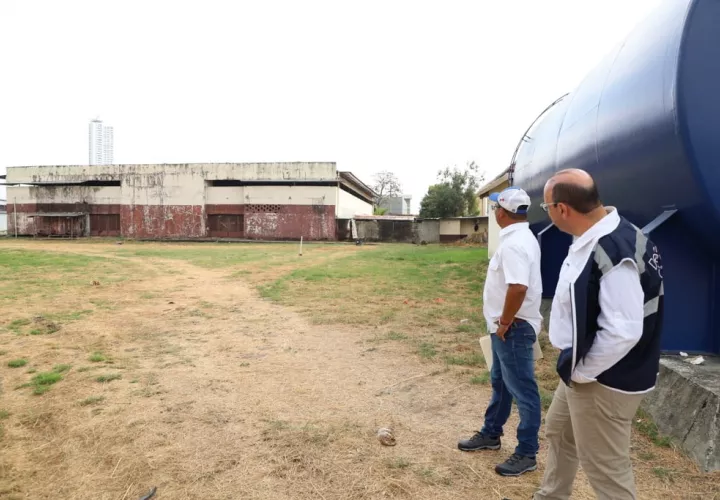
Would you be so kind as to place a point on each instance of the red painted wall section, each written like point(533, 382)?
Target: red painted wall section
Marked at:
point(162, 221)
point(291, 222)
point(225, 209)
point(261, 222)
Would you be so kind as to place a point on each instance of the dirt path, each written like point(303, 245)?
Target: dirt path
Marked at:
point(224, 395)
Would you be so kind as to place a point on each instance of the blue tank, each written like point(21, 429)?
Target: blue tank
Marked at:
point(646, 124)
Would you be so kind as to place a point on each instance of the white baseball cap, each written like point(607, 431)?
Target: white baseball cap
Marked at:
point(512, 199)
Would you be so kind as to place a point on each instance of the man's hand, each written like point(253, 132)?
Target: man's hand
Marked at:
point(513, 300)
point(502, 330)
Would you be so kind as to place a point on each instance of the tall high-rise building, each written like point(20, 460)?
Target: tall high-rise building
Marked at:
point(101, 143)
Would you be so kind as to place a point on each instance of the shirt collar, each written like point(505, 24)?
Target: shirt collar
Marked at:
point(604, 226)
point(514, 227)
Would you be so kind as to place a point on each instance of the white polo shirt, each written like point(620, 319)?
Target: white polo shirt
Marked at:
point(516, 261)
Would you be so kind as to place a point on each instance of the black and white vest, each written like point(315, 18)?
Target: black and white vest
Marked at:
point(637, 371)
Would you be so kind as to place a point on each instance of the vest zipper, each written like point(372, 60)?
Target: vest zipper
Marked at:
point(574, 327)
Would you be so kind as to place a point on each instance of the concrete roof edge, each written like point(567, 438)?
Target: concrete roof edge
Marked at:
point(352, 179)
point(504, 176)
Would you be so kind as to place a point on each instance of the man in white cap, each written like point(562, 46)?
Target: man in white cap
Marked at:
point(511, 305)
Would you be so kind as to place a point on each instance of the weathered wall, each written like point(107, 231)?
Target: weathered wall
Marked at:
point(179, 201)
point(290, 222)
point(27, 200)
point(306, 171)
point(427, 231)
point(63, 195)
point(368, 230)
point(290, 195)
point(226, 195)
point(467, 226)
point(349, 206)
point(400, 231)
point(449, 227)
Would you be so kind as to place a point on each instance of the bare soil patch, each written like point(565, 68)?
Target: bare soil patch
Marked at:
point(182, 376)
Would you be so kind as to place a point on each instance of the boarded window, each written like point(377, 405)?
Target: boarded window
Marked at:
point(67, 226)
point(104, 224)
point(225, 226)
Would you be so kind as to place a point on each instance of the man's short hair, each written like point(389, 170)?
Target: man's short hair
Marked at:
point(515, 216)
point(580, 198)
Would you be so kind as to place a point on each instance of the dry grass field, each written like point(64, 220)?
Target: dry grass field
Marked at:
point(219, 371)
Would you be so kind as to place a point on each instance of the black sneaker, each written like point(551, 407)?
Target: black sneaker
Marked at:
point(516, 465)
point(479, 442)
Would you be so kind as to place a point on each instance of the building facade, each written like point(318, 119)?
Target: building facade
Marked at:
point(267, 201)
point(398, 205)
point(101, 143)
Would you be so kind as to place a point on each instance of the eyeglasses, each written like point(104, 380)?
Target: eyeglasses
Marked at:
point(546, 206)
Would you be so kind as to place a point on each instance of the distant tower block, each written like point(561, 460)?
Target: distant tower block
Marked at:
point(101, 143)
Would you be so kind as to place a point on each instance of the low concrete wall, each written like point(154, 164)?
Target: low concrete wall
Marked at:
point(685, 405)
point(427, 231)
point(401, 231)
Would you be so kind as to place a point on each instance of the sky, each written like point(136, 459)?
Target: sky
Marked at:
point(407, 86)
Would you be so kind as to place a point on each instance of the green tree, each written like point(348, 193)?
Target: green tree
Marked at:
point(455, 195)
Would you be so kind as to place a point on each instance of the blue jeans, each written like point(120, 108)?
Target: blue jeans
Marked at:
point(513, 376)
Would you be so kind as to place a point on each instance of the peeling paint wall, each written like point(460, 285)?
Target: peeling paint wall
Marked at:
point(180, 201)
point(291, 222)
point(428, 231)
point(230, 195)
point(290, 195)
point(305, 171)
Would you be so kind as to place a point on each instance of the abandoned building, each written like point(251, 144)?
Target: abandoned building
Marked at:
point(269, 201)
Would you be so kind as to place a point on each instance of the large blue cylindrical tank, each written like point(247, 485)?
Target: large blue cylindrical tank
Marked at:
point(646, 124)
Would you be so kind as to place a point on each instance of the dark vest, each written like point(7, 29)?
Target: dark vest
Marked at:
point(638, 370)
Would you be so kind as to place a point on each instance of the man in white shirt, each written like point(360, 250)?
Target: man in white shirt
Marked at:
point(511, 305)
point(606, 319)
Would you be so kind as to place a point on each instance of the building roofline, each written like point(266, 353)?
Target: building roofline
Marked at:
point(463, 217)
point(179, 164)
point(502, 177)
point(353, 183)
point(386, 217)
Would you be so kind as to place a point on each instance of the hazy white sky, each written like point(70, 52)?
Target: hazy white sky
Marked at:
point(409, 86)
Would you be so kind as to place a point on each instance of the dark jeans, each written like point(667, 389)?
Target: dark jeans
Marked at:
point(513, 376)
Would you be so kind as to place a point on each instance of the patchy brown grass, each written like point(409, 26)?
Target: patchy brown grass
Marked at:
point(209, 391)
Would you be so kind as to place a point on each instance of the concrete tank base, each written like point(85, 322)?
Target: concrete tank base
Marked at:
point(685, 405)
